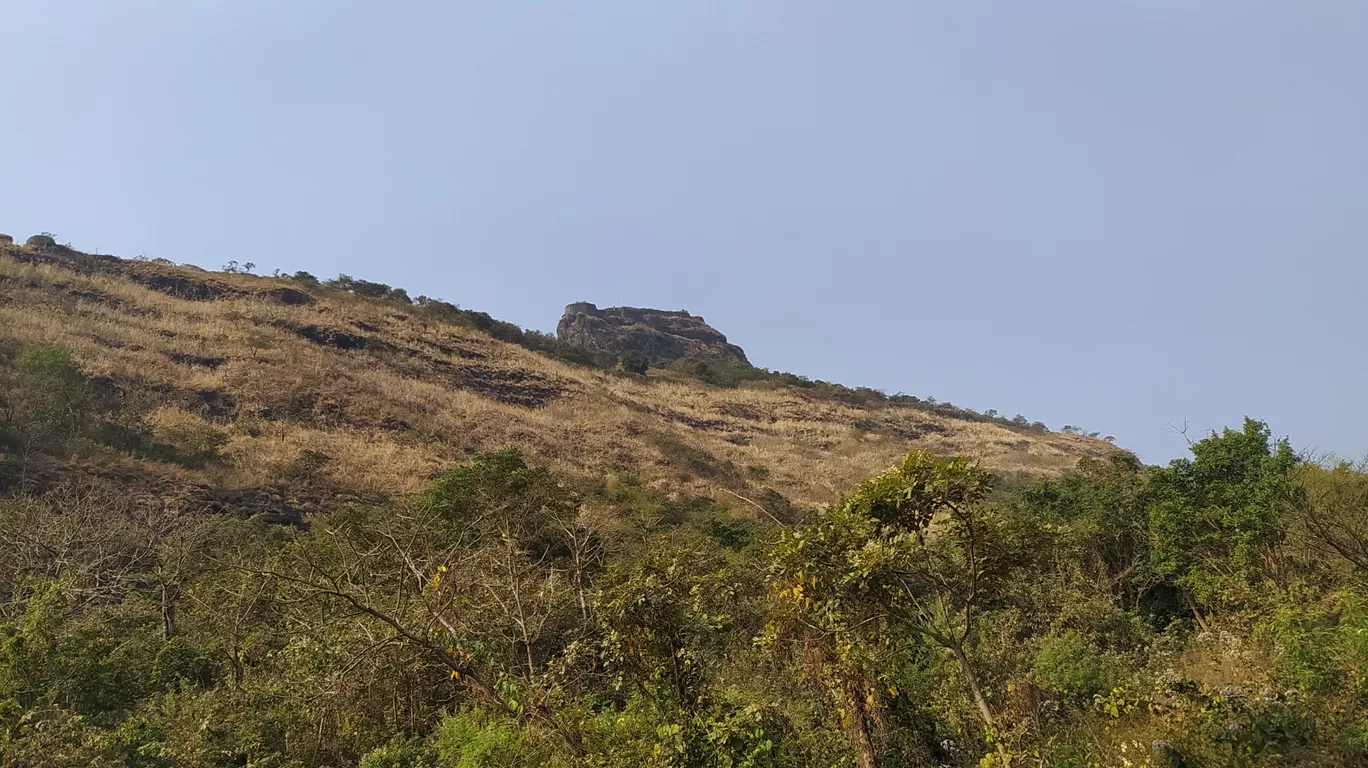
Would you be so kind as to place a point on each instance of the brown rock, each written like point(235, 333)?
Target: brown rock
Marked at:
point(661, 335)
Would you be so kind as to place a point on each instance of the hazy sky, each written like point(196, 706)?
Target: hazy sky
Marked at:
point(1110, 214)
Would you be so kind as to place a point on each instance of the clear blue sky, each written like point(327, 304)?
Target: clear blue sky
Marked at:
point(1110, 214)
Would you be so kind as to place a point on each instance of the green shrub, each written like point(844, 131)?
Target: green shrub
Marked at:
point(401, 752)
point(634, 362)
point(179, 664)
point(1075, 669)
point(50, 401)
point(473, 739)
point(49, 360)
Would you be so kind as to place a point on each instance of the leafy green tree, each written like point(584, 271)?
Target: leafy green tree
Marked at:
point(634, 362)
point(50, 401)
point(1099, 520)
point(1219, 517)
point(911, 551)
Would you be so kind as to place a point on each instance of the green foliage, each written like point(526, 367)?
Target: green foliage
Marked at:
point(179, 663)
point(1218, 516)
point(666, 621)
point(474, 739)
point(1073, 668)
point(49, 401)
point(1098, 522)
point(401, 751)
point(634, 362)
point(368, 289)
point(910, 494)
point(48, 362)
point(500, 482)
point(509, 616)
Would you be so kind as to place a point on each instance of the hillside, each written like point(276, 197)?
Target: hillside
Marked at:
point(707, 566)
point(270, 380)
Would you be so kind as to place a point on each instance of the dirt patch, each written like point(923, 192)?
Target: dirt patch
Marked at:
point(691, 421)
point(213, 404)
point(290, 297)
point(147, 274)
point(740, 411)
point(184, 287)
point(913, 431)
point(465, 353)
point(508, 385)
point(330, 337)
point(95, 297)
point(202, 361)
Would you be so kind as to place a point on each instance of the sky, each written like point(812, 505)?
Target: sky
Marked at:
point(1117, 215)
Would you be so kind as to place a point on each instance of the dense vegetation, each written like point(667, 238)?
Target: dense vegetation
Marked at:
point(1209, 612)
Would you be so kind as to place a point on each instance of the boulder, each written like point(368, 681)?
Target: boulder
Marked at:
point(661, 335)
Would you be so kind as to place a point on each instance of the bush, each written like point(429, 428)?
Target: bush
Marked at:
point(472, 739)
point(1074, 668)
point(50, 400)
point(179, 664)
point(634, 362)
point(190, 440)
point(401, 752)
point(46, 360)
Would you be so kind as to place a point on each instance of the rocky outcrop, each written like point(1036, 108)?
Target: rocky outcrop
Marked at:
point(658, 334)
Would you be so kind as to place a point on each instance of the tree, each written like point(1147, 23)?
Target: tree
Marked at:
point(1335, 523)
point(49, 401)
point(634, 362)
point(1219, 517)
point(471, 575)
point(666, 620)
point(1100, 518)
point(910, 550)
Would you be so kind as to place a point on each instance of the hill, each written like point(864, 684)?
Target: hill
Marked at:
point(286, 393)
point(653, 577)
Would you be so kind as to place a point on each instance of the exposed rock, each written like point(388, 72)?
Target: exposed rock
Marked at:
point(330, 337)
point(183, 287)
point(659, 334)
point(6, 240)
point(41, 241)
point(288, 296)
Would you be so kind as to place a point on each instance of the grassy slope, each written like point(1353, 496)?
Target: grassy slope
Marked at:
point(419, 395)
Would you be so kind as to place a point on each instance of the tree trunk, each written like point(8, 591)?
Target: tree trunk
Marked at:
point(980, 701)
point(1196, 614)
point(862, 740)
point(168, 612)
point(235, 661)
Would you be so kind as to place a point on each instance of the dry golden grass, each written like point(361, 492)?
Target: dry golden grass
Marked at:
point(423, 395)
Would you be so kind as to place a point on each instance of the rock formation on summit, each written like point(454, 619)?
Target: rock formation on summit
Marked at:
point(658, 334)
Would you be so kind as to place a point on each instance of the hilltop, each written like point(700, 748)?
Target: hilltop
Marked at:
point(658, 335)
point(289, 393)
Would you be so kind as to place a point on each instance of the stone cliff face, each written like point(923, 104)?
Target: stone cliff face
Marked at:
point(659, 334)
